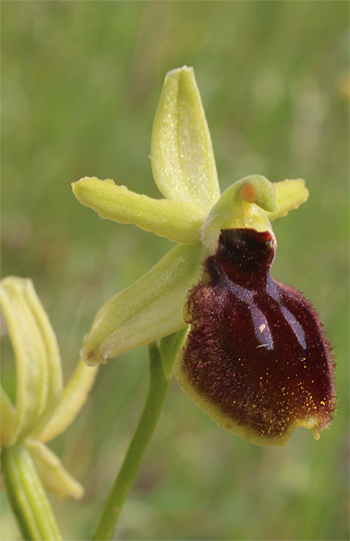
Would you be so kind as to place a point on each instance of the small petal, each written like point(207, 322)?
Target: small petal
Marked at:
point(256, 358)
point(8, 419)
point(175, 220)
point(290, 194)
point(182, 155)
point(53, 475)
point(74, 397)
point(30, 355)
point(147, 310)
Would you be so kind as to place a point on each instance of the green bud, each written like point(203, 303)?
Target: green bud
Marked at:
point(43, 409)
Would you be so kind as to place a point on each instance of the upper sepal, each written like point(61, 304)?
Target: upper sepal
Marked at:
point(182, 155)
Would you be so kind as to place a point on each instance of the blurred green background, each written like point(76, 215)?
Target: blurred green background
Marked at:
point(80, 87)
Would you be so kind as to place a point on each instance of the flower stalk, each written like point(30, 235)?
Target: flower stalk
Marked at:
point(161, 362)
point(27, 496)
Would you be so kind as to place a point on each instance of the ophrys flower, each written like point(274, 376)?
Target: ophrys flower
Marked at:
point(234, 363)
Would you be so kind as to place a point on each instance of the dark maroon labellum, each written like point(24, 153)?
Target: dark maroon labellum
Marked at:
point(256, 351)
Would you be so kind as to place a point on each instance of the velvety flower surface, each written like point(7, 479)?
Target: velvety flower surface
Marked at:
point(255, 359)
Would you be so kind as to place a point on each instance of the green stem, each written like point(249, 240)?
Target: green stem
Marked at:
point(27, 496)
point(159, 382)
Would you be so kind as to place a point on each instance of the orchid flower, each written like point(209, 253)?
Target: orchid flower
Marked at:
point(43, 409)
point(255, 357)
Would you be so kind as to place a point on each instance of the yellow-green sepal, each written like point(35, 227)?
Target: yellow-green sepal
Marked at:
point(51, 472)
point(38, 368)
point(74, 396)
point(53, 359)
point(182, 155)
point(176, 220)
point(149, 309)
point(290, 194)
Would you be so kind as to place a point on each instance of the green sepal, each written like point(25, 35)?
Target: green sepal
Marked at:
point(38, 365)
point(53, 359)
point(30, 356)
point(290, 194)
point(52, 473)
point(74, 397)
point(147, 310)
point(175, 220)
point(182, 155)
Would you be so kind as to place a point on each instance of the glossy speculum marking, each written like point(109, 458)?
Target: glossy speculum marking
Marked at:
point(256, 350)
